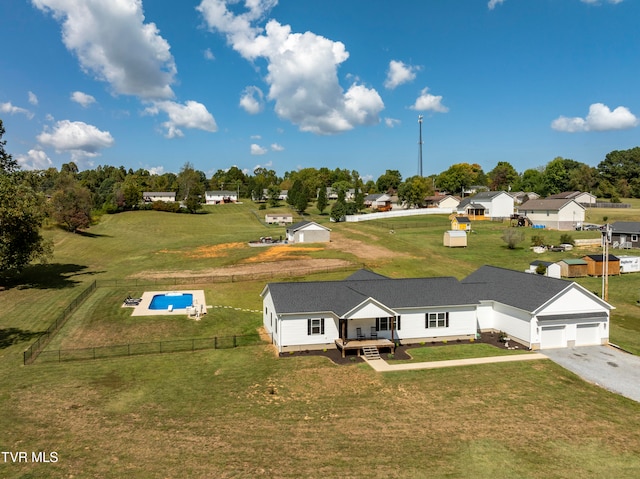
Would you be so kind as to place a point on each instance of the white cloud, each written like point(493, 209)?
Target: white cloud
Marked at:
point(156, 170)
point(33, 99)
point(257, 149)
point(113, 43)
point(208, 54)
point(391, 122)
point(276, 147)
point(34, 160)
point(302, 69)
point(12, 110)
point(492, 3)
point(82, 99)
point(597, 2)
point(190, 115)
point(78, 138)
point(600, 118)
point(252, 100)
point(428, 102)
point(256, 137)
point(398, 74)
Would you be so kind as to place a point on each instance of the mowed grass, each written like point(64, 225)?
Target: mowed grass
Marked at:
point(248, 413)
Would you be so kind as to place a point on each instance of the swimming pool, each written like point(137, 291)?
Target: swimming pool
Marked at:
point(177, 300)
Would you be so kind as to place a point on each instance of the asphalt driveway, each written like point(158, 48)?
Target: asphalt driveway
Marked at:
point(605, 366)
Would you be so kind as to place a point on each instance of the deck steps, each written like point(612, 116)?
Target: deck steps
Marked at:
point(371, 352)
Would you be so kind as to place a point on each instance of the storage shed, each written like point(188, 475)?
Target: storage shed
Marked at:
point(455, 239)
point(595, 264)
point(629, 264)
point(553, 270)
point(573, 268)
point(461, 223)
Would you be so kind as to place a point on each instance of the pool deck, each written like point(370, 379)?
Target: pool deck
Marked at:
point(143, 308)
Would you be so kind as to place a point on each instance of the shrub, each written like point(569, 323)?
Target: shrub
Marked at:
point(567, 239)
point(537, 240)
point(541, 269)
point(512, 237)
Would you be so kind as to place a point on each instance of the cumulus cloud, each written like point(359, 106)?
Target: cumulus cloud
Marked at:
point(428, 102)
point(156, 170)
point(600, 118)
point(76, 137)
point(391, 122)
point(113, 42)
point(276, 147)
point(302, 68)
point(398, 74)
point(35, 159)
point(33, 99)
point(257, 149)
point(252, 100)
point(12, 110)
point(82, 99)
point(190, 115)
point(492, 3)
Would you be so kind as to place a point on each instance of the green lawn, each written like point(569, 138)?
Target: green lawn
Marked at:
point(245, 412)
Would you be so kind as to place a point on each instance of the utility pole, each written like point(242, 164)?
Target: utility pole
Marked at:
point(606, 238)
point(420, 147)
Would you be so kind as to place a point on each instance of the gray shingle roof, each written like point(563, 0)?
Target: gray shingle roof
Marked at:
point(521, 290)
point(626, 227)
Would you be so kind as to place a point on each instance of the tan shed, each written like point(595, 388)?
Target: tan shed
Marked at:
point(595, 264)
point(455, 239)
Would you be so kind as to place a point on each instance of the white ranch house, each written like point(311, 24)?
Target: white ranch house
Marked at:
point(559, 214)
point(308, 232)
point(220, 196)
point(166, 196)
point(488, 204)
point(367, 308)
point(278, 219)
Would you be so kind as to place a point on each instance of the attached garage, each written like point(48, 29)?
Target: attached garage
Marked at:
point(588, 334)
point(553, 337)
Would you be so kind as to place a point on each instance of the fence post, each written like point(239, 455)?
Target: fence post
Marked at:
point(215, 342)
point(234, 340)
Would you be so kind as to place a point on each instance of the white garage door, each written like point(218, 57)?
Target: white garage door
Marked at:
point(587, 334)
point(552, 337)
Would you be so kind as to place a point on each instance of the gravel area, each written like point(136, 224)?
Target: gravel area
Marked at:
point(605, 366)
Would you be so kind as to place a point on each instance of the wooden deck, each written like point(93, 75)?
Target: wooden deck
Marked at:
point(358, 344)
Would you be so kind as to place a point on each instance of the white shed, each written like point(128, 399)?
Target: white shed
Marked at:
point(629, 264)
point(553, 270)
point(308, 232)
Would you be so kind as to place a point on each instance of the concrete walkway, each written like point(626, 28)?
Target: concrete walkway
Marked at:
point(381, 366)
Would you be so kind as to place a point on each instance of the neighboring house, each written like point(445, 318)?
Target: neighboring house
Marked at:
point(573, 268)
point(308, 232)
point(370, 309)
point(625, 234)
point(585, 199)
point(595, 264)
point(559, 214)
point(278, 219)
point(460, 223)
point(487, 205)
point(166, 196)
point(282, 196)
point(553, 270)
point(520, 197)
point(446, 201)
point(378, 201)
point(220, 196)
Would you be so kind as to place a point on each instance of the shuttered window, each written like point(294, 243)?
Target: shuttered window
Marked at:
point(315, 326)
point(436, 320)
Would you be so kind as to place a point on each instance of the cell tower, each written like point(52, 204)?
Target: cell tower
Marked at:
point(420, 147)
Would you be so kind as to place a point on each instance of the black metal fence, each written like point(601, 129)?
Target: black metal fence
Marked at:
point(158, 347)
point(36, 348)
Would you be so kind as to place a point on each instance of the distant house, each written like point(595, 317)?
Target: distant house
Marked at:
point(585, 199)
point(559, 214)
point(595, 264)
point(573, 268)
point(278, 219)
point(445, 201)
point(166, 196)
point(282, 196)
point(553, 270)
point(625, 234)
point(308, 232)
point(487, 205)
point(378, 201)
point(460, 223)
point(220, 197)
point(368, 309)
point(520, 197)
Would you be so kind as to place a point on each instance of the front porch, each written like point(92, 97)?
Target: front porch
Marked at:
point(345, 345)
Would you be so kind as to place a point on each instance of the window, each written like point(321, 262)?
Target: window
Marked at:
point(385, 324)
point(315, 326)
point(437, 320)
point(634, 238)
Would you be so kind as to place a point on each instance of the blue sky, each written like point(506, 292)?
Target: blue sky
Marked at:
point(288, 84)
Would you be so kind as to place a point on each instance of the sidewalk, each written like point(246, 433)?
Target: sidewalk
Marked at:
point(381, 366)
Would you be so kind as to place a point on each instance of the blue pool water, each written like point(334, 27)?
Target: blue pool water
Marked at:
point(178, 300)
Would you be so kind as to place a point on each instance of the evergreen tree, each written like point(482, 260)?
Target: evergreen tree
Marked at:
point(322, 199)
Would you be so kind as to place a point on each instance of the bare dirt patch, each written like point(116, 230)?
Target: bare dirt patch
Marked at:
point(361, 249)
point(280, 253)
point(214, 251)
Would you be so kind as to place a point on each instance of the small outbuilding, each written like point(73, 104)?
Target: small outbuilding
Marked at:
point(573, 268)
point(460, 223)
point(553, 270)
point(595, 264)
point(455, 239)
point(308, 232)
point(629, 264)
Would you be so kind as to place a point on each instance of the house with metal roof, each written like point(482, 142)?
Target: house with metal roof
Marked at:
point(308, 232)
point(487, 205)
point(573, 268)
point(368, 309)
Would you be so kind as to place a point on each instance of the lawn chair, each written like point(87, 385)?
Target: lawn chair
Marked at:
point(374, 333)
point(359, 333)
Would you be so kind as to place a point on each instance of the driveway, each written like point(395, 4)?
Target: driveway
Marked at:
point(605, 366)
